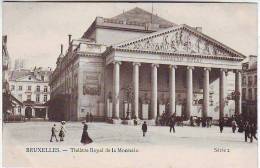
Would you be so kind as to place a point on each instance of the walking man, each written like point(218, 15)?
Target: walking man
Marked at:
point(234, 126)
point(253, 132)
point(53, 133)
point(247, 130)
point(144, 128)
point(221, 125)
point(172, 124)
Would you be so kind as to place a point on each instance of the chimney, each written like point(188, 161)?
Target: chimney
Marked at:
point(69, 39)
point(61, 48)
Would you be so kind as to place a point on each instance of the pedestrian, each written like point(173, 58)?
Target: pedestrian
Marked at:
point(221, 125)
point(87, 117)
point(91, 117)
point(62, 131)
point(144, 128)
point(247, 130)
point(234, 126)
point(253, 132)
point(85, 139)
point(208, 122)
point(53, 133)
point(172, 124)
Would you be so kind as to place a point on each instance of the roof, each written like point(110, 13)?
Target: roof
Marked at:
point(18, 74)
point(13, 75)
point(141, 16)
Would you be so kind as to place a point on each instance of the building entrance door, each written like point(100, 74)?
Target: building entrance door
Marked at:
point(28, 112)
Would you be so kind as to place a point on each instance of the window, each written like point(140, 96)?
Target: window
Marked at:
point(19, 109)
point(244, 80)
point(250, 94)
point(37, 98)
point(38, 88)
point(250, 81)
point(29, 77)
point(20, 87)
point(45, 89)
point(244, 93)
point(29, 97)
point(20, 97)
point(29, 88)
point(82, 110)
point(255, 93)
point(255, 82)
point(42, 77)
point(45, 98)
point(12, 87)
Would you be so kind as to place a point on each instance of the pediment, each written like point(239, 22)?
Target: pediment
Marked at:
point(180, 40)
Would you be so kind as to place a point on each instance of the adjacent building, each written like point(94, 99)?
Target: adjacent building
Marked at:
point(31, 88)
point(9, 101)
point(249, 87)
point(139, 65)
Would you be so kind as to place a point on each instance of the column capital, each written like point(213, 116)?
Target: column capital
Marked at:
point(136, 63)
point(190, 67)
point(207, 69)
point(117, 62)
point(173, 66)
point(237, 70)
point(223, 70)
point(155, 65)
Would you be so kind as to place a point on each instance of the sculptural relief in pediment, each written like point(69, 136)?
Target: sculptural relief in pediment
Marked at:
point(179, 41)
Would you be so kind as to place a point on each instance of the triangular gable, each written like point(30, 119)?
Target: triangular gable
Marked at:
point(180, 40)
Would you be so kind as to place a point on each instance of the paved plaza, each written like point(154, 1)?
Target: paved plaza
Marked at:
point(188, 147)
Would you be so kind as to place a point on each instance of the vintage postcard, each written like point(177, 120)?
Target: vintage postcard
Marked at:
point(129, 85)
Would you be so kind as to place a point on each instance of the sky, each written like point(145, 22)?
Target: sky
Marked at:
point(36, 30)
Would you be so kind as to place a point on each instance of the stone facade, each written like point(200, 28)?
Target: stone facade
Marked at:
point(126, 70)
point(249, 87)
point(31, 88)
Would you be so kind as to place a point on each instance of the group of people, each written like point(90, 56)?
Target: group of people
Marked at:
point(249, 128)
point(61, 131)
point(85, 139)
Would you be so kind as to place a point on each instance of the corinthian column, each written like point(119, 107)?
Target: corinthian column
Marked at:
point(116, 89)
point(172, 88)
point(136, 87)
point(154, 91)
point(206, 92)
point(222, 82)
point(238, 92)
point(189, 91)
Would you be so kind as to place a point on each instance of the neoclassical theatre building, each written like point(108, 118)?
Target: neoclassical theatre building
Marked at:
point(139, 65)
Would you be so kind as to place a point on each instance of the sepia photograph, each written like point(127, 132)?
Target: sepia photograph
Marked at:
point(129, 85)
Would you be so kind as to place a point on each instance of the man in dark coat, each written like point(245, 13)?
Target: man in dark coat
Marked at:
point(53, 133)
point(253, 132)
point(221, 125)
point(247, 130)
point(144, 128)
point(172, 124)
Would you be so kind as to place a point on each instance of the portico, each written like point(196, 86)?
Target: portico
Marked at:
point(179, 61)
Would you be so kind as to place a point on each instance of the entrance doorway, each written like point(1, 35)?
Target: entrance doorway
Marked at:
point(28, 112)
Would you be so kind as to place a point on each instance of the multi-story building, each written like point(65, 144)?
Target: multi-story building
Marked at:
point(32, 89)
point(140, 65)
point(9, 101)
point(249, 87)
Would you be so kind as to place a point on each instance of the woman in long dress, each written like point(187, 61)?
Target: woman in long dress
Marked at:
point(62, 131)
point(85, 139)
